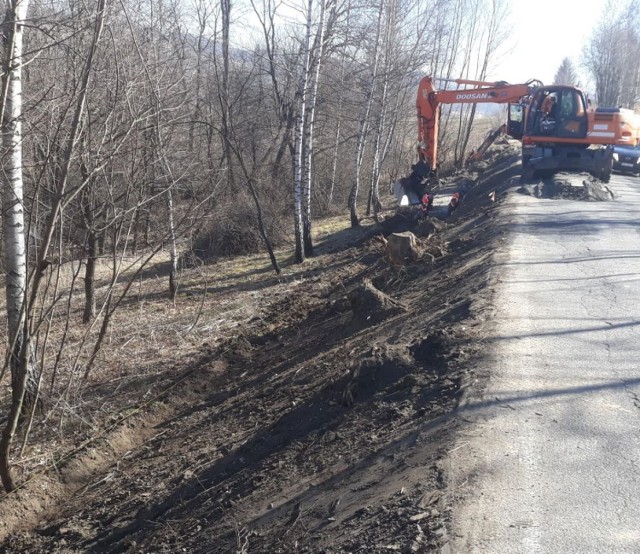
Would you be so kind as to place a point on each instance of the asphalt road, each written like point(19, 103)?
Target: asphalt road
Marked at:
point(550, 459)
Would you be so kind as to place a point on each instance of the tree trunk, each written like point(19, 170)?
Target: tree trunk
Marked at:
point(160, 157)
point(334, 167)
point(89, 277)
point(225, 8)
point(364, 125)
point(262, 229)
point(299, 144)
point(173, 274)
point(310, 119)
point(89, 216)
point(15, 257)
point(18, 395)
point(374, 195)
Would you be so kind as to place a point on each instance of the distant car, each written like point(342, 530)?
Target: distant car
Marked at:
point(627, 159)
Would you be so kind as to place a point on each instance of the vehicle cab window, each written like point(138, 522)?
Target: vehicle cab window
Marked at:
point(515, 112)
point(571, 104)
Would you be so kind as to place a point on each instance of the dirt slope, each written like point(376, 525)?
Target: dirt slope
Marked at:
point(309, 429)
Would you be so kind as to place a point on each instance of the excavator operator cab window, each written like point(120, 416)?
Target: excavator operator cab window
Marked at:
point(571, 104)
point(572, 115)
point(549, 106)
point(559, 112)
point(547, 123)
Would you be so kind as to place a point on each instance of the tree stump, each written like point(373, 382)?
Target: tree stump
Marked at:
point(402, 248)
point(371, 305)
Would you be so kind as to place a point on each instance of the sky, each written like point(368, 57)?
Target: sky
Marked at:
point(543, 33)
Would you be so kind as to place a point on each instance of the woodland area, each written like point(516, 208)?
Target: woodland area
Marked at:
point(145, 132)
point(138, 128)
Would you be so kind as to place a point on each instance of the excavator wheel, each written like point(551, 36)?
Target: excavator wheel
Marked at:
point(607, 167)
point(527, 171)
point(605, 175)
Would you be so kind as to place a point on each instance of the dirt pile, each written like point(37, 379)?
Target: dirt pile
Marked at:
point(569, 186)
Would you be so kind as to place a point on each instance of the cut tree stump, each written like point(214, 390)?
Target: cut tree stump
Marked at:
point(370, 304)
point(402, 248)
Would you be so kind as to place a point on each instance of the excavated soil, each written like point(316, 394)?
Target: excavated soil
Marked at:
point(319, 426)
point(569, 186)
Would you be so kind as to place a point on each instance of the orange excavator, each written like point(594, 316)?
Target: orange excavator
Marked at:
point(430, 100)
point(556, 125)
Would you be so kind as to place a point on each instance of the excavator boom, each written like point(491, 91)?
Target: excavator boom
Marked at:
point(429, 101)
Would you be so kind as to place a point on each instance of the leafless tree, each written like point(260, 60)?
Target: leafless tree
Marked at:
point(612, 53)
point(566, 74)
point(16, 14)
point(304, 76)
point(483, 33)
point(316, 59)
point(23, 372)
point(223, 88)
point(369, 90)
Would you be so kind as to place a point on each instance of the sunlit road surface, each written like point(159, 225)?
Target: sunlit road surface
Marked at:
point(549, 460)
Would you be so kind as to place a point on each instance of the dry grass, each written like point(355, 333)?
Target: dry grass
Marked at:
point(150, 337)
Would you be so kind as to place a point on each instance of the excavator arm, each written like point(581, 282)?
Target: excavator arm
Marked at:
point(491, 137)
point(429, 101)
point(412, 189)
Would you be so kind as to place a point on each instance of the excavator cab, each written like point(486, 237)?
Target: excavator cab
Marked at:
point(559, 112)
point(556, 134)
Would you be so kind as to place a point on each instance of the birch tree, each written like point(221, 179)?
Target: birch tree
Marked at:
point(485, 32)
point(611, 55)
point(12, 138)
point(370, 89)
point(309, 121)
point(298, 167)
point(15, 260)
point(15, 257)
point(389, 39)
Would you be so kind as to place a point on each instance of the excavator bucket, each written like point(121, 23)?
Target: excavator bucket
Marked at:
point(410, 190)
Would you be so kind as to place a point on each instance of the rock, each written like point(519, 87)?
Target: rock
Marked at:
point(597, 191)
